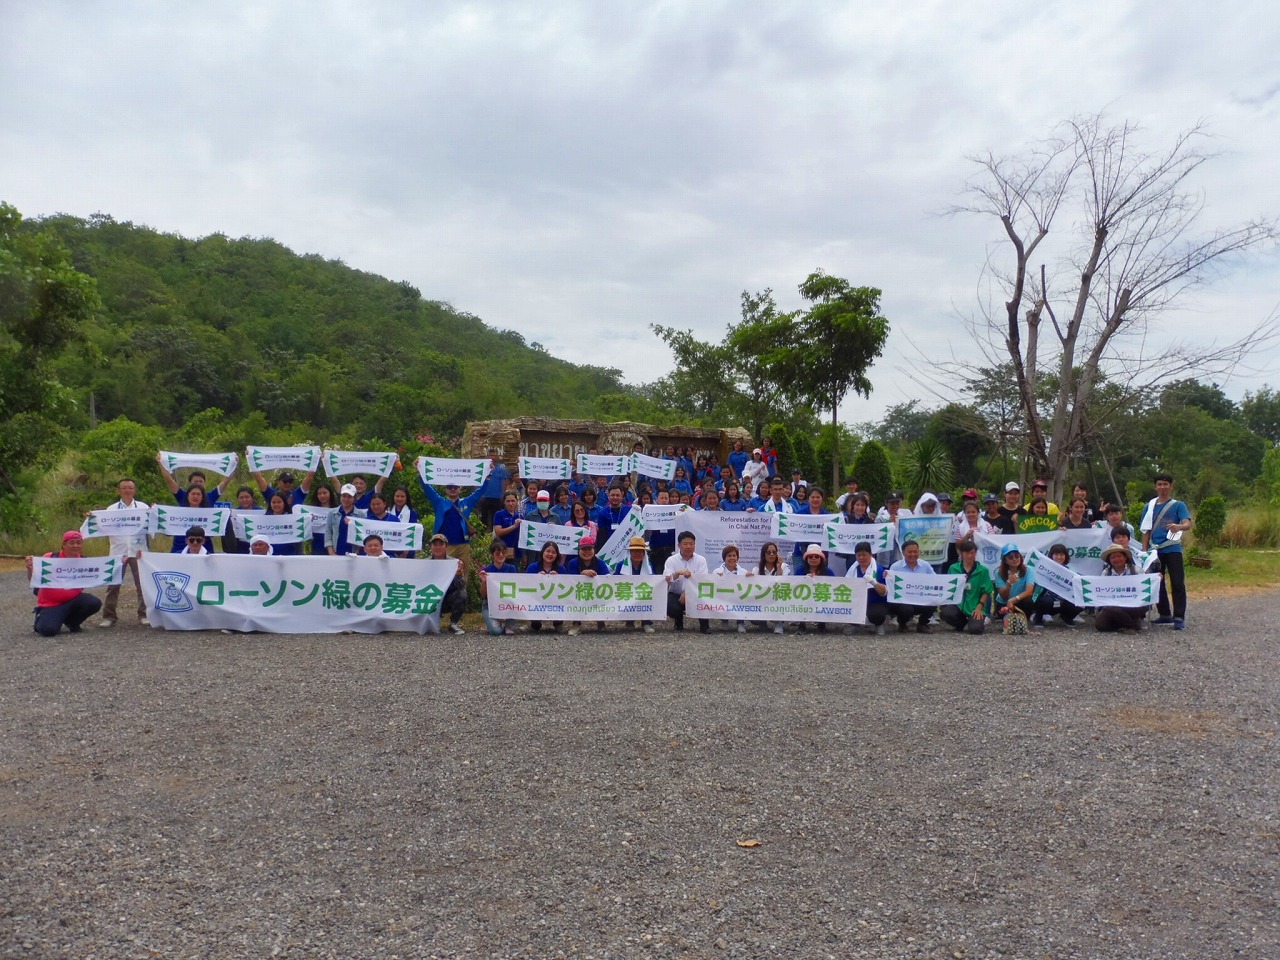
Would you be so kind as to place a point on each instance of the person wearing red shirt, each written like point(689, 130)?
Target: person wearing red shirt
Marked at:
point(56, 607)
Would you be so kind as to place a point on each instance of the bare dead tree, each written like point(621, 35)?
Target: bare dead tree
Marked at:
point(1099, 239)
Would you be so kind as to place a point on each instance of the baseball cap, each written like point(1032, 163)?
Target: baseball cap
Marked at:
point(347, 488)
point(1012, 485)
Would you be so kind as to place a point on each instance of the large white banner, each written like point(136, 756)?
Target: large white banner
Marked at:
point(277, 528)
point(534, 535)
point(545, 468)
point(654, 467)
point(175, 521)
point(448, 471)
point(1054, 577)
point(922, 589)
point(125, 522)
point(716, 529)
point(531, 596)
point(339, 463)
point(1086, 546)
point(597, 465)
point(223, 463)
point(845, 537)
point(71, 573)
point(933, 534)
point(294, 594)
point(614, 549)
point(804, 599)
point(803, 527)
point(305, 459)
point(662, 516)
point(395, 536)
point(1139, 590)
point(317, 517)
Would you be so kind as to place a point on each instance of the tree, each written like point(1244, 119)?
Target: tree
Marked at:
point(1127, 218)
point(1261, 413)
point(832, 347)
point(871, 467)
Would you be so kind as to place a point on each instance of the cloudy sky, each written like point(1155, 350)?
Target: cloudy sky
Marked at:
point(577, 171)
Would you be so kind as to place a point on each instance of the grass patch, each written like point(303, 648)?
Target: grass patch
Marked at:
point(1235, 571)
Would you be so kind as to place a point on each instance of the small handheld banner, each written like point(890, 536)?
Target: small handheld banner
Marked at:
point(306, 459)
point(1085, 545)
point(126, 522)
point(277, 528)
point(716, 529)
point(545, 468)
point(922, 589)
point(601, 466)
point(446, 471)
point(534, 535)
point(806, 599)
point(661, 516)
point(71, 573)
point(294, 594)
point(1035, 523)
point(339, 463)
point(1054, 577)
point(803, 527)
point(175, 521)
point(1129, 591)
point(932, 533)
point(223, 463)
point(845, 537)
point(654, 467)
point(532, 596)
point(317, 517)
point(395, 536)
point(614, 550)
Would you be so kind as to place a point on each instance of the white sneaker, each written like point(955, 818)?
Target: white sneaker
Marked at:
point(778, 629)
point(573, 631)
point(742, 627)
point(144, 622)
point(880, 630)
point(648, 629)
point(508, 632)
point(457, 628)
point(104, 624)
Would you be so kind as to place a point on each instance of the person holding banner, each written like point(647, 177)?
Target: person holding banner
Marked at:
point(771, 565)
point(814, 565)
point(612, 515)
point(903, 612)
point(373, 547)
point(778, 501)
point(277, 506)
point(1119, 563)
point(506, 522)
point(231, 543)
point(196, 478)
point(338, 529)
point(363, 493)
point(292, 495)
point(402, 510)
point(579, 517)
point(493, 490)
point(453, 516)
point(497, 564)
point(1049, 603)
point(196, 542)
point(548, 565)
point(322, 496)
point(130, 548)
point(636, 565)
point(1163, 524)
point(1015, 589)
point(679, 568)
point(455, 598)
point(866, 570)
point(586, 564)
point(971, 615)
point(58, 607)
point(195, 498)
point(729, 567)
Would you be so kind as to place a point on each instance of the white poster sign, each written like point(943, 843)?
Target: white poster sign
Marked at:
point(545, 468)
point(125, 522)
point(277, 528)
point(614, 549)
point(71, 573)
point(530, 596)
point(596, 465)
point(845, 537)
point(804, 599)
point(222, 463)
point(654, 467)
point(317, 517)
point(1054, 577)
point(802, 527)
point(294, 594)
point(1129, 591)
point(716, 529)
point(175, 521)
point(449, 471)
point(662, 516)
point(339, 463)
point(922, 589)
point(395, 536)
point(305, 459)
point(933, 534)
point(534, 535)
point(1085, 545)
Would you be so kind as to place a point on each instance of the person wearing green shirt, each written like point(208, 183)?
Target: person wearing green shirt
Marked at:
point(971, 615)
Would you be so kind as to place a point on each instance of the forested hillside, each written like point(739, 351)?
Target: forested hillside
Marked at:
point(248, 324)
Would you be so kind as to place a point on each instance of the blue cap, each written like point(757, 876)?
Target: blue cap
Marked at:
point(1009, 548)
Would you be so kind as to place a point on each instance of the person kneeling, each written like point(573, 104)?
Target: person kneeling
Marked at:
point(56, 607)
point(1119, 563)
point(970, 616)
point(455, 598)
point(679, 569)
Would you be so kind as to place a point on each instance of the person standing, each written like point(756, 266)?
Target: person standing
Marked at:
point(494, 488)
point(57, 607)
point(452, 518)
point(130, 548)
point(1163, 524)
point(455, 597)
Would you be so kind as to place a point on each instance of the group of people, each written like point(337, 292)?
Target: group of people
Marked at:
point(748, 481)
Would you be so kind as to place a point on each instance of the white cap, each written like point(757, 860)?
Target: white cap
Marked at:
point(814, 548)
point(1012, 485)
point(347, 488)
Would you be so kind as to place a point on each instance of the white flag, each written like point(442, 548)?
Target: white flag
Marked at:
point(223, 463)
point(339, 463)
point(305, 459)
point(447, 471)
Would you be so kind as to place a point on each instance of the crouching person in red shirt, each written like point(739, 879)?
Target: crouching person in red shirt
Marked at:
point(55, 606)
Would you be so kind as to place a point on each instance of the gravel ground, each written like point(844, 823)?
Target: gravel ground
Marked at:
point(1065, 795)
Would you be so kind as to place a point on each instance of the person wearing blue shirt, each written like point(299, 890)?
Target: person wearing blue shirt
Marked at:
point(292, 495)
point(493, 488)
point(867, 571)
point(338, 530)
point(586, 564)
point(497, 564)
point(612, 515)
point(1163, 523)
point(738, 458)
point(506, 522)
point(563, 507)
point(910, 563)
point(452, 516)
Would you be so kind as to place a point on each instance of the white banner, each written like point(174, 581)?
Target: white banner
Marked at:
point(448, 471)
point(277, 528)
point(1054, 577)
point(545, 468)
point(223, 463)
point(803, 527)
point(395, 536)
point(126, 522)
point(294, 594)
point(534, 535)
point(845, 537)
point(174, 521)
point(601, 466)
point(71, 573)
point(317, 517)
point(716, 529)
point(1130, 591)
point(614, 549)
point(804, 599)
point(339, 463)
point(654, 467)
point(531, 596)
point(1085, 545)
point(923, 589)
point(305, 459)
point(662, 516)
point(933, 534)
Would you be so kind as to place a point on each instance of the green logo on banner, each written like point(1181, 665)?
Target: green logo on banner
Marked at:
point(782, 525)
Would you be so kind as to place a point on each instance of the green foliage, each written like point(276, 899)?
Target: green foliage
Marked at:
point(1260, 413)
point(901, 424)
point(1211, 517)
point(1270, 479)
point(782, 442)
point(963, 434)
point(119, 449)
point(926, 466)
point(871, 467)
point(835, 447)
point(807, 458)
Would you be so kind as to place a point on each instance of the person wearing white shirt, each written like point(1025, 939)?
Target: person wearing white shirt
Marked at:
point(911, 563)
point(130, 547)
point(680, 567)
point(778, 501)
point(730, 567)
point(756, 470)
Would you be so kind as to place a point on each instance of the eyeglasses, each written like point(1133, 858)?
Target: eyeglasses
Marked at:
point(195, 539)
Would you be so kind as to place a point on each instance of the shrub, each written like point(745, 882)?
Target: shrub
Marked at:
point(871, 467)
point(1211, 517)
point(782, 442)
point(926, 466)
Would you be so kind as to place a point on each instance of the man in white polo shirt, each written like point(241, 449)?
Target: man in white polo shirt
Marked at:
point(130, 548)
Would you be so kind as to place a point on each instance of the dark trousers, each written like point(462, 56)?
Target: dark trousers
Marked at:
point(455, 600)
point(675, 610)
point(877, 614)
point(1047, 602)
point(905, 611)
point(50, 620)
point(960, 621)
point(1110, 619)
point(1170, 566)
point(113, 592)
